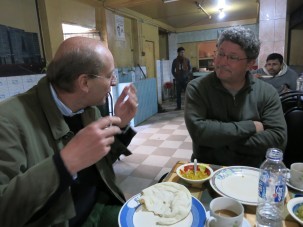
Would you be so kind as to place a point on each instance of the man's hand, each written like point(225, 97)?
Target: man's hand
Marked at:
point(90, 144)
point(259, 126)
point(126, 105)
point(257, 75)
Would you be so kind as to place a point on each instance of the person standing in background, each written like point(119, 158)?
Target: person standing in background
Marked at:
point(180, 70)
point(277, 73)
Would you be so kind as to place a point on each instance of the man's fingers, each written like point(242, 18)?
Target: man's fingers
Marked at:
point(106, 122)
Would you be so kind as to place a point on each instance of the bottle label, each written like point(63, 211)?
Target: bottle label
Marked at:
point(271, 189)
point(279, 193)
point(263, 183)
point(262, 189)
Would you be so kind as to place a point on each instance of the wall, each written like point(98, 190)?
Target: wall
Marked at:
point(296, 50)
point(206, 49)
point(20, 14)
point(55, 12)
point(122, 50)
point(150, 33)
point(10, 86)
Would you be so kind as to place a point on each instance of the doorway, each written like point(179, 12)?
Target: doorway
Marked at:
point(149, 49)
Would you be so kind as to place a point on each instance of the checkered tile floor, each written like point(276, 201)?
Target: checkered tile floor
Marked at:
point(161, 141)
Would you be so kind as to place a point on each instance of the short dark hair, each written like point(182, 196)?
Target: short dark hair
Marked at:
point(275, 56)
point(180, 49)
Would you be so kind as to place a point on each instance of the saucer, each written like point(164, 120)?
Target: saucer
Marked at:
point(245, 222)
point(293, 187)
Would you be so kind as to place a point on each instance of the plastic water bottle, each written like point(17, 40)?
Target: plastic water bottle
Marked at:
point(272, 186)
point(300, 83)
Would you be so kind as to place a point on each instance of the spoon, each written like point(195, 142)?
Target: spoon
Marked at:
point(195, 166)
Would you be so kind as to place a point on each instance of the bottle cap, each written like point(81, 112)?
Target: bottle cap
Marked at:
point(274, 154)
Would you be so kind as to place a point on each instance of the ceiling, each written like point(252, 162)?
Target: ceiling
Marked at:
point(182, 14)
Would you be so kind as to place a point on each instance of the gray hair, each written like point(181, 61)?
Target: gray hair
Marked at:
point(244, 37)
point(64, 70)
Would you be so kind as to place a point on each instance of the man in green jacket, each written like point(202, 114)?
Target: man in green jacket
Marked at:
point(56, 150)
point(232, 117)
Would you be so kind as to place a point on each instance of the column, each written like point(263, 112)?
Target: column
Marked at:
point(272, 28)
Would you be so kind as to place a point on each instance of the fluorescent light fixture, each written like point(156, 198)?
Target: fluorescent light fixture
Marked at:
point(167, 1)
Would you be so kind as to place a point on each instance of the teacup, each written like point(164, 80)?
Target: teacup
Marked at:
point(225, 211)
point(296, 175)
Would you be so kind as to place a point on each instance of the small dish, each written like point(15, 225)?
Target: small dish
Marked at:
point(186, 166)
point(292, 207)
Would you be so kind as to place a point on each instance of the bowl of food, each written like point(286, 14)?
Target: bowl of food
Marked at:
point(186, 172)
point(295, 209)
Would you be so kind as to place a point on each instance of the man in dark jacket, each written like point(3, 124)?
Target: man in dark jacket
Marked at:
point(233, 117)
point(56, 151)
point(180, 70)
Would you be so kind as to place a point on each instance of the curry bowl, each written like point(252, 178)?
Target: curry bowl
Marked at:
point(295, 209)
point(203, 173)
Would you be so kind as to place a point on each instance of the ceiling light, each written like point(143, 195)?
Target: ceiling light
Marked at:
point(221, 4)
point(221, 14)
point(167, 1)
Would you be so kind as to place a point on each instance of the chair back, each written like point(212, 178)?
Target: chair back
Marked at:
point(293, 113)
point(291, 99)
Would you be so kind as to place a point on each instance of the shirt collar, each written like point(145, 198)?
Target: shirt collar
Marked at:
point(61, 106)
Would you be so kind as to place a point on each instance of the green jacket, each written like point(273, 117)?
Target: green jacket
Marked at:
point(32, 130)
point(221, 125)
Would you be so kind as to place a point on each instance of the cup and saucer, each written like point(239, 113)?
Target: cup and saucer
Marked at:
point(245, 222)
point(225, 211)
point(296, 176)
point(289, 184)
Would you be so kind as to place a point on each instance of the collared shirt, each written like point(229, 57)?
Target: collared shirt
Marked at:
point(62, 107)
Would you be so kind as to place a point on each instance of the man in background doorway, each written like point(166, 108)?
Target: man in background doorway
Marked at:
point(277, 73)
point(180, 70)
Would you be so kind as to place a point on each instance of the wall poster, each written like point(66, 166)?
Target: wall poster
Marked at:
point(120, 35)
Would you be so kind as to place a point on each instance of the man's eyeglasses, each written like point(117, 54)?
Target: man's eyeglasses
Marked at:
point(111, 76)
point(230, 58)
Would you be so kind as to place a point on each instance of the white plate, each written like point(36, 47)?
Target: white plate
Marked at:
point(292, 205)
point(293, 187)
point(132, 215)
point(245, 222)
point(238, 182)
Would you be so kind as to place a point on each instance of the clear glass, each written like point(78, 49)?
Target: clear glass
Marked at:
point(300, 83)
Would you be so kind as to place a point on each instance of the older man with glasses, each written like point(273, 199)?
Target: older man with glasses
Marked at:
point(56, 150)
point(232, 117)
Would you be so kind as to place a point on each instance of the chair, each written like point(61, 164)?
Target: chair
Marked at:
point(168, 89)
point(293, 113)
point(291, 99)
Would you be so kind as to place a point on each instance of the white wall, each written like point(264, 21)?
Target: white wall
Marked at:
point(12, 85)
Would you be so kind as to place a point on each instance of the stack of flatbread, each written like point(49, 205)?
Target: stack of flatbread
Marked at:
point(170, 201)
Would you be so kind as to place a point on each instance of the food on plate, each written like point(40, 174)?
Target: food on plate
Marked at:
point(299, 212)
point(170, 201)
point(188, 172)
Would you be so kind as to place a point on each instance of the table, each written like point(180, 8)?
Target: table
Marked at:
point(205, 194)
